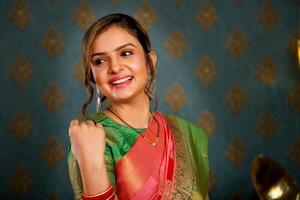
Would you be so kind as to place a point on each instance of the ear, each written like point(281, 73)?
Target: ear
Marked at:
point(91, 75)
point(153, 58)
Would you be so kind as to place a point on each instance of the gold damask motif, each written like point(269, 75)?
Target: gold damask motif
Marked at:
point(20, 180)
point(53, 152)
point(176, 43)
point(207, 15)
point(266, 71)
point(236, 152)
point(83, 15)
point(146, 15)
point(21, 70)
point(52, 42)
point(266, 125)
point(79, 71)
point(212, 182)
point(53, 97)
point(293, 98)
point(293, 152)
point(20, 14)
point(236, 43)
point(208, 122)
point(175, 97)
point(21, 125)
point(206, 71)
point(236, 98)
point(268, 16)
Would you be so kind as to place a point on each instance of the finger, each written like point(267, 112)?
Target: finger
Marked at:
point(70, 131)
point(74, 122)
point(90, 122)
point(99, 125)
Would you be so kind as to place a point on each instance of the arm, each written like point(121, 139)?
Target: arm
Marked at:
point(94, 177)
point(75, 174)
point(86, 160)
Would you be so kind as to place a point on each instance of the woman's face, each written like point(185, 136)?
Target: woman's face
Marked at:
point(119, 65)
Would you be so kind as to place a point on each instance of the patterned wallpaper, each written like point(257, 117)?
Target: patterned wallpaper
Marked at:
point(228, 65)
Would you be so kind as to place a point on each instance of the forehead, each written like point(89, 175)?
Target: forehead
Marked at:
point(112, 38)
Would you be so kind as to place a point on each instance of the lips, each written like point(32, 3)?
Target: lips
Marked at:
point(120, 79)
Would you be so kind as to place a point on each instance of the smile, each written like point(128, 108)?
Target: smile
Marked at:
point(122, 80)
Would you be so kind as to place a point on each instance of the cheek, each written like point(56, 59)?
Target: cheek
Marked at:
point(98, 76)
point(141, 66)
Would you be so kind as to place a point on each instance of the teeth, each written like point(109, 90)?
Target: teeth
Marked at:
point(122, 80)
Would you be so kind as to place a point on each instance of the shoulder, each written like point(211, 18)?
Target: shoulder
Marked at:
point(188, 129)
point(182, 123)
point(96, 117)
point(177, 121)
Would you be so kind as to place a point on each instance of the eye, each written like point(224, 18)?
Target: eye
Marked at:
point(126, 53)
point(98, 61)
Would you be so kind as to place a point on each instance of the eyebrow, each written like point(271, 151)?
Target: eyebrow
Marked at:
point(117, 49)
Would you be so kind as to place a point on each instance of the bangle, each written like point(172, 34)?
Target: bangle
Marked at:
point(112, 196)
point(107, 194)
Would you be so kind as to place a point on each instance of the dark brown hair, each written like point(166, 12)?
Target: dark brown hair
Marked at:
point(100, 26)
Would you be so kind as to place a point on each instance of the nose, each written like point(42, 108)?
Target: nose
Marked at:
point(115, 66)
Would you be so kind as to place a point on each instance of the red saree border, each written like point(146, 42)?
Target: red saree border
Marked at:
point(147, 172)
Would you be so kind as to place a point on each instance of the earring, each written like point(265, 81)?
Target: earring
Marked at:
point(149, 77)
point(98, 100)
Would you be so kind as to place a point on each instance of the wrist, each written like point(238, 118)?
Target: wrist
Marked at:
point(91, 161)
point(91, 164)
point(94, 177)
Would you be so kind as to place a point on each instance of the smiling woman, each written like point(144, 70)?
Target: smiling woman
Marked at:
point(128, 151)
point(119, 65)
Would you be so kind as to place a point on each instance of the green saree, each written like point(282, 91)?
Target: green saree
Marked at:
point(191, 168)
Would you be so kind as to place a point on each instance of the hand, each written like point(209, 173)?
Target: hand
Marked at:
point(87, 142)
point(88, 145)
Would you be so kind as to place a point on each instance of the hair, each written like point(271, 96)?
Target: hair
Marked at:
point(101, 25)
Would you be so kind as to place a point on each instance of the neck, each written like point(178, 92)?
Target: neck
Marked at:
point(136, 113)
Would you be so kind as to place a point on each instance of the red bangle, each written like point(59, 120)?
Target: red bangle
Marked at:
point(106, 195)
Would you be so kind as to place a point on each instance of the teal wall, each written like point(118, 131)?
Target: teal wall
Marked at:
point(246, 98)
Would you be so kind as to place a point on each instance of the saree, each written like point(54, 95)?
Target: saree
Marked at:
point(176, 168)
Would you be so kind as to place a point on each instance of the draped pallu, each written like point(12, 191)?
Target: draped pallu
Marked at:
point(147, 171)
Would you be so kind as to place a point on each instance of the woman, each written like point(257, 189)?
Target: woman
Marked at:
point(127, 151)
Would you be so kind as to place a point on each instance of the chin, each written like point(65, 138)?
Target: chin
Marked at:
point(125, 96)
point(121, 98)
